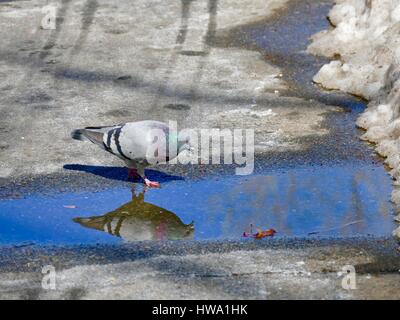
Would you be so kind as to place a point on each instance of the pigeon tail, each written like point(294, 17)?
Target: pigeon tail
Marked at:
point(91, 222)
point(77, 134)
point(88, 134)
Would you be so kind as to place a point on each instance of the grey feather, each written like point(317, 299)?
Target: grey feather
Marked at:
point(131, 141)
point(77, 134)
point(85, 134)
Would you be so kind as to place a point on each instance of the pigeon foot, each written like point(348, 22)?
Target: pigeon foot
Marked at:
point(132, 173)
point(151, 184)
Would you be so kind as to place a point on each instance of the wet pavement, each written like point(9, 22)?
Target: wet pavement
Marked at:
point(327, 194)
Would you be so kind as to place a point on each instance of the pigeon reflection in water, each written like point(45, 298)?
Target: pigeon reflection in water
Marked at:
point(138, 220)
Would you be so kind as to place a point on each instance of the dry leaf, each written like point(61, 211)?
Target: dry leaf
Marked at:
point(265, 233)
point(259, 234)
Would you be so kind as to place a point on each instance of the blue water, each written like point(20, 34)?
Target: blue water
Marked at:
point(335, 201)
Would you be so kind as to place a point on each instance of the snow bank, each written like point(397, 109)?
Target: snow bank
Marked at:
point(365, 46)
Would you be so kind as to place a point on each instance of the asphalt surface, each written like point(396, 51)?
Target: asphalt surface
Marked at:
point(109, 62)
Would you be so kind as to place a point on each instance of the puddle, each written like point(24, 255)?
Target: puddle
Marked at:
point(337, 201)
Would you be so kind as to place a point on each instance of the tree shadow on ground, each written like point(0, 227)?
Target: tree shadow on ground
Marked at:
point(120, 173)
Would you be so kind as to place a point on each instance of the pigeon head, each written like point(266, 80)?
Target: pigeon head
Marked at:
point(184, 144)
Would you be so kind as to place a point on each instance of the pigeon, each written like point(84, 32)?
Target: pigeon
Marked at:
point(139, 220)
point(139, 144)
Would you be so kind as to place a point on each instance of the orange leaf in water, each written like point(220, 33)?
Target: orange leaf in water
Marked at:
point(260, 234)
point(265, 233)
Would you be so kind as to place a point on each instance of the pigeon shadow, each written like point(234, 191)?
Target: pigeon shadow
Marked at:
point(120, 173)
